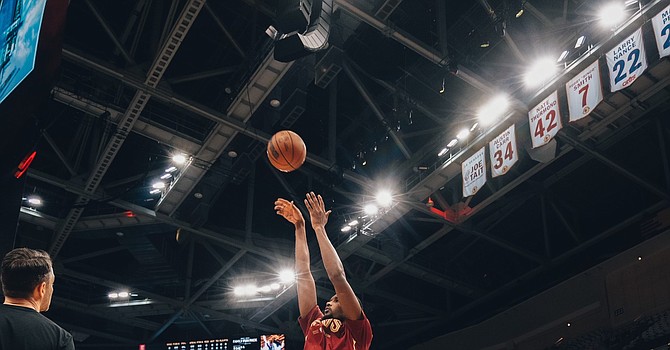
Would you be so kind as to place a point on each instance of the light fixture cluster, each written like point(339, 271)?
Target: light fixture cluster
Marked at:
point(281, 282)
point(160, 185)
point(117, 295)
point(33, 201)
point(371, 211)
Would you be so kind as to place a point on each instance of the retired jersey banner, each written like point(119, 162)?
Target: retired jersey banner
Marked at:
point(626, 61)
point(545, 120)
point(661, 23)
point(474, 173)
point(584, 92)
point(502, 150)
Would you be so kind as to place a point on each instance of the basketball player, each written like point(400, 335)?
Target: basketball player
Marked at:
point(343, 324)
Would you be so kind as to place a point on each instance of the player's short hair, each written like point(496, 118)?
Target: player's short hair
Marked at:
point(22, 270)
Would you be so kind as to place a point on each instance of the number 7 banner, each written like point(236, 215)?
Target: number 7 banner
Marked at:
point(661, 24)
point(584, 92)
point(626, 61)
point(544, 120)
point(503, 152)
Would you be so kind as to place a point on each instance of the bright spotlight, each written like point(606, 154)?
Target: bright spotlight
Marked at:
point(493, 110)
point(179, 159)
point(34, 200)
point(287, 276)
point(612, 14)
point(113, 295)
point(124, 294)
point(158, 185)
point(580, 41)
point(265, 289)
point(463, 134)
point(171, 169)
point(443, 152)
point(540, 72)
point(275, 286)
point(353, 223)
point(384, 198)
point(563, 55)
point(370, 209)
point(345, 228)
point(452, 143)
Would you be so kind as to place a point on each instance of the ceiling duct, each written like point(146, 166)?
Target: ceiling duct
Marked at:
point(290, 47)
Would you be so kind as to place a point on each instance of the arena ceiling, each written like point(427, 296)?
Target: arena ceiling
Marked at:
point(399, 80)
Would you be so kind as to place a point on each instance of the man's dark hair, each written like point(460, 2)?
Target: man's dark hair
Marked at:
point(24, 269)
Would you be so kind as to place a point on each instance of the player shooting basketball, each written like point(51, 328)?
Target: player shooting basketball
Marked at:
point(343, 324)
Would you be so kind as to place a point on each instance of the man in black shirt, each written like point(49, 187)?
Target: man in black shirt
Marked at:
point(27, 282)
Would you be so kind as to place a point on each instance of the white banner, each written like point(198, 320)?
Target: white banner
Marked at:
point(474, 173)
point(545, 120)
point(584, 92)
point(502, 150)
point(626, 61)
point(661, 23)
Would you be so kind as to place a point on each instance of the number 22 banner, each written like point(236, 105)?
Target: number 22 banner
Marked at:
point(627, 61)
point(661, 23)
point(474, 173)
point(584, 92)
point(503, 152)
point(544, 120)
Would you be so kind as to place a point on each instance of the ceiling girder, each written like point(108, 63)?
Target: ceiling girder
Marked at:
point(109, 32)
point(138, 103)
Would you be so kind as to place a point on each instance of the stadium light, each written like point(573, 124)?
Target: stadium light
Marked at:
point(384, 198)
point(540, 72)
point(493, 110)
point(612, 14)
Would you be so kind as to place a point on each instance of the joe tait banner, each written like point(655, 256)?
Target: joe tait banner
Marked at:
point(661, 23)
point(584, 92)
point(544, 120)
point(474, 173)
point(626, 61)
point(502, 150)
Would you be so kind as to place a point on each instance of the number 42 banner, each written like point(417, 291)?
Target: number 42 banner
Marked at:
point(627, 61)
point(544, 120)
point(503, 152)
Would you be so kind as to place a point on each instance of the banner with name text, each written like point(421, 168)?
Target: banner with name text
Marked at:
point(626, 61)
point(545, 120)
point(503, 154)
point(584, 92)
point(661, 24)
point(474, 173)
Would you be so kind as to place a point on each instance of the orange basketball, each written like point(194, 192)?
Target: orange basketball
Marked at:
point(286, 151)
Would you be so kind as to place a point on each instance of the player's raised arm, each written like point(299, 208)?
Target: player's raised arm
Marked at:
point(304, 280)
point(319, 216)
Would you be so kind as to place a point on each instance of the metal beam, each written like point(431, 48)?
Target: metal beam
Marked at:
point(376, 110)
point(109, 32)
point(58, 152)
point(202, 75)
point(137, 104)
point(225, 31)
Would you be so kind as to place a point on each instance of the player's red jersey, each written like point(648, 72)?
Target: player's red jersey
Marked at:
point(333, 334)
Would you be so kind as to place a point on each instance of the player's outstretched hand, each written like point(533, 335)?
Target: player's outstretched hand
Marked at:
point(289, 211)
point(317, 210)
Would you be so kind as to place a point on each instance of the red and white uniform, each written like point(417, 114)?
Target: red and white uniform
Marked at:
point(334, 334)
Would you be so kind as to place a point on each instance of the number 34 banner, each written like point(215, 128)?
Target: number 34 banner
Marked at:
point(544, 120)
point(503, 152)
point(584, 92)
point(626, 61)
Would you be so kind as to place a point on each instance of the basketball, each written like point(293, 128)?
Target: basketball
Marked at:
point(286, 151)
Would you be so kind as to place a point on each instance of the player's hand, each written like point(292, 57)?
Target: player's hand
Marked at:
point(289, 211)
point(317, 210)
